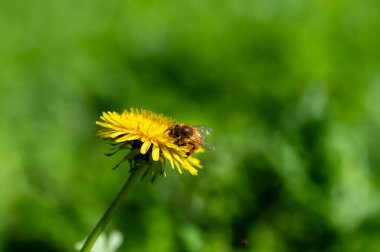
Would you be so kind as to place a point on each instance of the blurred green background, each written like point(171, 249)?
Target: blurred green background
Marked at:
point(291, 89)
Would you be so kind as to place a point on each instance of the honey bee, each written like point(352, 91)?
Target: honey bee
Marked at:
point(193, 136)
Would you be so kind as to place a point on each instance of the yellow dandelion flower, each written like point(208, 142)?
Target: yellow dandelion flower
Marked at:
point(150, 134)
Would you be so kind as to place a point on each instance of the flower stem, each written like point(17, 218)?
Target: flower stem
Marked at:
point(91, 239)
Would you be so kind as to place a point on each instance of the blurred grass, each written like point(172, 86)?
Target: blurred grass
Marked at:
point(290, 88)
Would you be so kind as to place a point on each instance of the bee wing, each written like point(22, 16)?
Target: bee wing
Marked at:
point(207, 144)
point(203, 130)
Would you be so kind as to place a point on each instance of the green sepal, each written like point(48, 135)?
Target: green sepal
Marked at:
point(130, 156)
point(116, 147)
point(149, 167)
point(158, 168)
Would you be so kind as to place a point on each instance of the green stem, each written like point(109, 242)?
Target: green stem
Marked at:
point(91, 239)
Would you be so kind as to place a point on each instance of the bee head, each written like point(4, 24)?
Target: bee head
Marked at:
point(175, 130)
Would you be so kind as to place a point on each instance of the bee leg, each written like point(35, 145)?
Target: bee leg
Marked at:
point(170, 131)
point(193, 147)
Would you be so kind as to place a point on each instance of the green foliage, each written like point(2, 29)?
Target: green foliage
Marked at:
point(291, 89)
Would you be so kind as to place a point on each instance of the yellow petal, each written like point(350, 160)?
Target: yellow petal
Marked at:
point(189, 167)
point(178, 158)
point(145, 147)
point(178, 167)
point(195, 162)
point(128, 137)
point(156, 153)
point(111, 117)
point(167, 155)
point(118, 133)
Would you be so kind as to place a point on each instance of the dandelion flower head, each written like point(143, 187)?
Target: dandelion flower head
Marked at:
point(148, 132)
